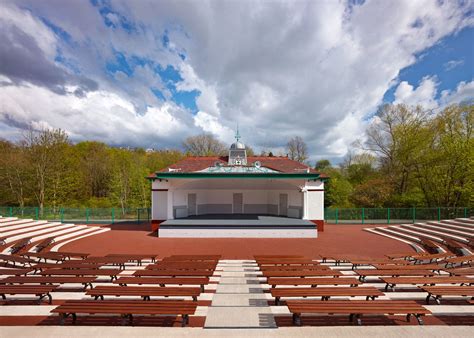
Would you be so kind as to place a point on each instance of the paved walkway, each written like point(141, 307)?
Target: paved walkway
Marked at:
point(239, 301)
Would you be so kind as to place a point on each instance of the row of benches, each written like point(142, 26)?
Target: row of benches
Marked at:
point(41, 279)
point(283, 271)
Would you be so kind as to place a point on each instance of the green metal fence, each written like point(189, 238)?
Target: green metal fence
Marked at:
point(393, 215)
point(79, 215)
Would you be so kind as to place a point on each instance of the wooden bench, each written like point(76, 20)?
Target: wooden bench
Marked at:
point(202, 281)
point(286, 262)
point(294, 267)
point(112, 273)
point(38, 290)
point(55, 256)
point(13, 259)
point(182, 266)
point(399, 256)
point(357, 262)
point(15, 272)
point(136, 257)
point(433, 267)
point(436, 292)
point(144, 291)
point(192, 258)
point(86, 281)
point(119, 261)
point(461, 260)
point(302, 273)
point(375, 272)
point(430, 257)
point(356, 308)
point(313, 281)
point(173, 273)
point(126, 309)
point(65, 265)
point(461, 271)
point(261, 257)
point(391, 282)
point(44, 244)
point(20, 245)
point(325, 292)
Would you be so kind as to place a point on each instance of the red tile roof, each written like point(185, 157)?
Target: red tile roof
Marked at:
point(279, 163)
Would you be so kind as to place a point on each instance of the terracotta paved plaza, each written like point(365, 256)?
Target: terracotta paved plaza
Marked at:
point(336, 239)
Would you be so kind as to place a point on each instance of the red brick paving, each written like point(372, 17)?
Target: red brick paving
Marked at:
point(341, 239)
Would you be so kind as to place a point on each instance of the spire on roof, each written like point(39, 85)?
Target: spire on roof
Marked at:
point(237, 134)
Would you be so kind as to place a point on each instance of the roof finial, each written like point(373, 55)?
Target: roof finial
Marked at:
point(237, 135)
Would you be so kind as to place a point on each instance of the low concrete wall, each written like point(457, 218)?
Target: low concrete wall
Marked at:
point(224, 232)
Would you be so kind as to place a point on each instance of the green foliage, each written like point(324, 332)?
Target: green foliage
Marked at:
point(47, 170)
point(421, 160)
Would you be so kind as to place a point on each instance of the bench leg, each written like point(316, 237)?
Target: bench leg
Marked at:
point(277, 300)
point(408, 317)
point(3, 296)
point(297, 319)
point(185, 320)
point(62, 318)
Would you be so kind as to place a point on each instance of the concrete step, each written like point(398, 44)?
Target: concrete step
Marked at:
point(17, 221)
point(18, 229)
point(380, 232)
point(429, 231)
point(462, 233)
point(51, 231)
point(64, 242)
point(416, 233)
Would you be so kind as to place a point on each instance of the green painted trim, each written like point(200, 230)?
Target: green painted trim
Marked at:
point(176, 175)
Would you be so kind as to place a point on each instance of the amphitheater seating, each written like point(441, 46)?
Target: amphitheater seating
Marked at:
point(374, 272)
point(356, 309)
point(455, 235)
point(325, 292)
point(112, 273)
point(14, 259)
point(41, 291)
point(15, 272)
point(127, 309)
point(274, 282)
point(143, 291)
point(436, 292)
point(86, 281)
point(202, 281)
point(391, 282)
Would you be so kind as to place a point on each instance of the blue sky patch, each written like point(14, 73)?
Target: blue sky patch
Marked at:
point(120, 64)
point(451, 61)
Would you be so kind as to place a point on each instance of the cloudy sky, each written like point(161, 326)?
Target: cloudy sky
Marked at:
point(150, 73)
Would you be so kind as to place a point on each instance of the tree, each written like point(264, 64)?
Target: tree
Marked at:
point(297, 149)
point(323, 165)
point(337, 190)
point(45, 150)
point(372, 194)
point(204, 145)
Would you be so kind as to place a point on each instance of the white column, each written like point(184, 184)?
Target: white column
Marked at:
point(159, 200)
point(314, 200)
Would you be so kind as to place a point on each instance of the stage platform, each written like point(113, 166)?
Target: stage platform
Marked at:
point(226, 226)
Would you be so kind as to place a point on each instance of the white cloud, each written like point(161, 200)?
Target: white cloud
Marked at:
point(315, 69)
point(99, 115)
point(450, 65)
point(464, 93)
point(424, 95)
